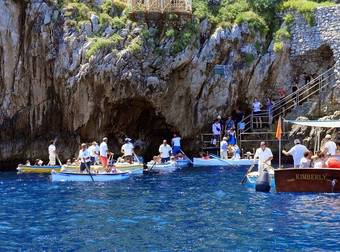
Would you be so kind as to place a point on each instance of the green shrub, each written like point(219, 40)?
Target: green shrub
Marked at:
point(278, 46)
point(102, 43)
point(282, 34)
point(253, 20)
point(118, 22)
point(80, 10)
point(249, 58)
point(170, 33)
point(135, 45)
point(289, 18)
point(305, 7)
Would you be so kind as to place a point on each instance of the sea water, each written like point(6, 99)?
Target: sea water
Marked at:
point(194, 209)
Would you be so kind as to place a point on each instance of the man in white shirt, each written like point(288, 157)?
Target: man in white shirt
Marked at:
point(330, 146)
point(103, 152)
point(127, 150)
point(297, 152)
point(306, 161)
point(265, 155)
point(224, 148)
point(176, 145)
point(85, 158)
point(93, 152)
point(165, 150)
point(52, 153)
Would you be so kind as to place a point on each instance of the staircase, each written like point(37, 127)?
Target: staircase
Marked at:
point(298, 103)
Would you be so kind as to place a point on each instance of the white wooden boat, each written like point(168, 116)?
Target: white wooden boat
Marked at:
point(85, 177)
point(200, 162)
point(135, 168)
point(162, 168)
point(252, 177)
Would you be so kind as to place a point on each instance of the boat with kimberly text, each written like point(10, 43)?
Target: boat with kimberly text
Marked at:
point(86, 177)
point(38, 168)
point(319, 180)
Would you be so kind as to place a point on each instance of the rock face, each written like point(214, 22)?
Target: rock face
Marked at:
point(51, 89)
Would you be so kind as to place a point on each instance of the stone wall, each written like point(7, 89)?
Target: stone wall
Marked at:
point(325, 32)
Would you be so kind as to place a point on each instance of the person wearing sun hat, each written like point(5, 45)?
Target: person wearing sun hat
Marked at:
point(224, 148)
point(329, 147)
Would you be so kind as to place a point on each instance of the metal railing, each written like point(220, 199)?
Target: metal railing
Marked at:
point(292, 100)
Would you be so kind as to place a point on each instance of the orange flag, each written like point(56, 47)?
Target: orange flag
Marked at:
point(278, 134)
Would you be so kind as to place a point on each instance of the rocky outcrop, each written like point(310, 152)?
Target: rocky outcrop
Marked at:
point(50, 88)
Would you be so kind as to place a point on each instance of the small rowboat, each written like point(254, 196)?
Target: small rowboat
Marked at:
point(85, 177)
point(135, 168)
point(38, 168)
point(162, 168)
point(200, 162)
point(252, 177)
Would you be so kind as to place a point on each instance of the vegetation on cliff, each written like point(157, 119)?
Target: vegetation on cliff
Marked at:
point(260, 15)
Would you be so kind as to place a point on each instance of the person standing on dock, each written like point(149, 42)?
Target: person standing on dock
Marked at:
point(265, 156)
point(297, 152)
point(85, 158)
point(257, 113)
point(127, 150)
point(224, 148)
point(176, 145)
point(216, 130)
point(52, 153)
point(165, 151)
point(330, 147)
point(103, 152)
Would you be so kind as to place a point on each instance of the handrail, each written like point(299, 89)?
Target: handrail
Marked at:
point(288, 102)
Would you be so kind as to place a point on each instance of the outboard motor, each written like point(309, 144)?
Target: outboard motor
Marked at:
point(263, 182)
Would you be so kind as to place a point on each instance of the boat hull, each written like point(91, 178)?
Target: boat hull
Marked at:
point(252, 177)
point(75, 177)
point(135, 168)
point(162, 168)
point(38, 168)
point(183, 163)
point(200, 162)
point(323, 180)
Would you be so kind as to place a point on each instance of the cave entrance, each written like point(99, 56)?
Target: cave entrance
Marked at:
point(138, 119)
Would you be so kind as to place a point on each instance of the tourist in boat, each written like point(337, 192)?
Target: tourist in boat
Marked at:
point(204, 155)
point(165, 151)
point(229, 124)
point(176, 145)
point(319, 160)
point(333, 162)
point(232, 136)
point(257, 112)
point(236, 152)
point(85, 158)
point(103, 152)
point(128, 150)
point(172, 160)
point(157, 160)
point(264, 155)
point(329, 147)
point(306, 161)
point(93, 152)
point(52, 153)
point(224, 148)
point(28, 163)
point(297, 152)
point(216, 130)
point(68, 162)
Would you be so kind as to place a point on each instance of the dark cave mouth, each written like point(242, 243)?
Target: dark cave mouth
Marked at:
point(139, 120)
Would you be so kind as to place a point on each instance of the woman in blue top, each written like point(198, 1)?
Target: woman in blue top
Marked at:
point(232, 137)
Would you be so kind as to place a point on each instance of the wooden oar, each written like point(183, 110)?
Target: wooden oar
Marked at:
point(186, 157)
point(248, 171)
point(223, 160)
point(136, 157)
point(88, 170)
point(59, 160)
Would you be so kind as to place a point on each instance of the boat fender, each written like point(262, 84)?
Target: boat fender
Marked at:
point(263, 182)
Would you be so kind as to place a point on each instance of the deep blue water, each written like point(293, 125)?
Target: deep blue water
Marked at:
point(193, 209)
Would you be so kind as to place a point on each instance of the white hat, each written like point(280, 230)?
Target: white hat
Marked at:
point(224, 138)
point(297, 141)
point(218, 117)
point(105, 139)
point(328, 136)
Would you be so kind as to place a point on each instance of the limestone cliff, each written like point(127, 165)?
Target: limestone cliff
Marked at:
point(51, 87)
